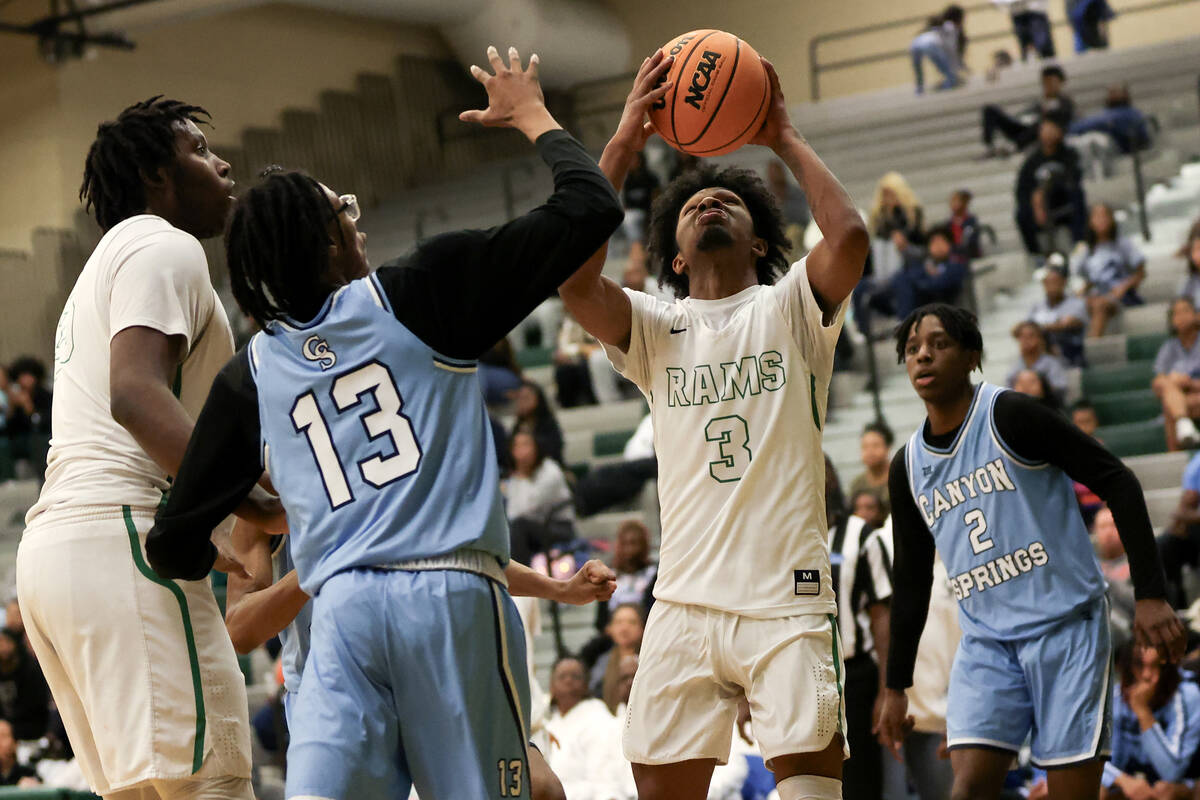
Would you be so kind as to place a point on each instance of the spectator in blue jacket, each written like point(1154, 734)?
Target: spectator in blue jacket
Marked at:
point(1123, 123)
point(1155, 729)
point(935, 276)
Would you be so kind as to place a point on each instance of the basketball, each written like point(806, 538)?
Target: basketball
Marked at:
point(719, 95)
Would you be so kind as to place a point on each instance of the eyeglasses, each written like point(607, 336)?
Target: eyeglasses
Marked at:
point(349, 204)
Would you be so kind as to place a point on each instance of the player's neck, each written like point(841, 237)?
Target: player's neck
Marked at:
point(948, 416)
point(715, 280)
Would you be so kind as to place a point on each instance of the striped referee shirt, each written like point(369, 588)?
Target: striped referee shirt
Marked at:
point(862, 576)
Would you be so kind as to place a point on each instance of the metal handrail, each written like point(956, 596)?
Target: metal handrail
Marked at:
point(816, 68)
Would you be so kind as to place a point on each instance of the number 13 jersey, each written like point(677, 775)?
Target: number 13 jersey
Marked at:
point(738, 390)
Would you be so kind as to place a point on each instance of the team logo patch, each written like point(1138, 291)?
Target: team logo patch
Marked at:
point(808, 582)
point(317, 349)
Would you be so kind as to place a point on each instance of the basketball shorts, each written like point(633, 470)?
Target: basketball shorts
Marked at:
point(695, 664)
point(1056, 685)
point(141, 668)
point(412, 678)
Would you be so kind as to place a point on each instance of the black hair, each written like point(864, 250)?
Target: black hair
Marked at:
point(1171, 312)
point(1054, 71)
point(942, 231)
point(638, 609)
point(27, 365)
point(953, 13)
point(527, 429)
point(760, 202)
point(1038, 329)
point(1082, 405)
point(882, 429)
point(277, 247)
point(961, 325)
point(126, 151)
point(542, 411)
point(1169, 676)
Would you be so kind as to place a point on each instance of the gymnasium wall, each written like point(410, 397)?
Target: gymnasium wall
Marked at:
point(245, 66)
point(781, 30)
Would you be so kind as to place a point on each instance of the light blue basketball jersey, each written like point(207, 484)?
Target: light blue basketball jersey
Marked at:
point(1009, 531)
point(293, 638)
point(380, 448)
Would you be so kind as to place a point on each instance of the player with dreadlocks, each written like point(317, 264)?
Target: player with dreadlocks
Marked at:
point(360, 398)
point(141, 669)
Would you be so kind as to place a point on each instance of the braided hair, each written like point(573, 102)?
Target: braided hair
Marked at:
point(137, 143)
point(277, 247)
point(768, 223)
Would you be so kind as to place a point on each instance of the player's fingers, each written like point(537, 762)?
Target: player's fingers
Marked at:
point(653, 75)
point(514, 60)
point(479, 73)
point(494, 59)
point(533, 66)
point(474, 115)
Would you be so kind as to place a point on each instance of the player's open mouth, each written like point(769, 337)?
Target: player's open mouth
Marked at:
point(924, 378)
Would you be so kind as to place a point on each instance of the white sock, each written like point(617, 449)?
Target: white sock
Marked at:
point(1185, 429)
point(809, 787)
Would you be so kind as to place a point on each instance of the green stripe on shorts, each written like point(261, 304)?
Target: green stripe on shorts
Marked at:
point(837, 668)
point(197, 688)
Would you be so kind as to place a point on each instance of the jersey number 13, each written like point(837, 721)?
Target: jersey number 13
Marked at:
point(386, 420)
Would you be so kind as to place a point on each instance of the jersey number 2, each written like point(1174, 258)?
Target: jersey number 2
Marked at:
point(378, 470)
point(980, 542)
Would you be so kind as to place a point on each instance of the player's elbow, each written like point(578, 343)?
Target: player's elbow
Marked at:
point(122, 403)
point(853, 241)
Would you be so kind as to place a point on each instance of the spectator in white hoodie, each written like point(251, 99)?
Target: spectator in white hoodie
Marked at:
point(583, 737)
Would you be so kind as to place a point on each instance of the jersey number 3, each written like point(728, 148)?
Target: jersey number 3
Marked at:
point(378, 470)
point(732, 438)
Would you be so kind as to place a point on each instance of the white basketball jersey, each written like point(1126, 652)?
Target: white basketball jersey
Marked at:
point(144, 272)
point(737, 390)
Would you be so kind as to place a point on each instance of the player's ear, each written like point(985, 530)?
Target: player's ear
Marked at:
point(678, 265)
point(758, 247)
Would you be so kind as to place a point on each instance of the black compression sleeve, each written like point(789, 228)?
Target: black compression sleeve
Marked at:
point(912, 571)
point(462, 292)
point(220, 467)
point(1038, 434)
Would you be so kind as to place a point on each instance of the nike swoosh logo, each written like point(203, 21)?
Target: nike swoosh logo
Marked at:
point(680, 330)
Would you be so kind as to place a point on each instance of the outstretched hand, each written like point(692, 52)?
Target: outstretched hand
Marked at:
point(649, 87)
point(777, 123)
point(515, 97)
point(594, 581)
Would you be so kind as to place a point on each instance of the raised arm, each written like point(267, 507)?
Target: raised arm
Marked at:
point(597, 302)
point(835, 265)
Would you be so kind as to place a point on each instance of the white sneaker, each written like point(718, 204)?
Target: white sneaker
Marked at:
point(1186, 433)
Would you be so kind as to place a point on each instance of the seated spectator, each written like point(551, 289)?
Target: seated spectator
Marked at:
point(942, 41)
point(1022, 130)
point(874, 447)
point(24, 696)
point(1190, 252)
point(625, 628)
point(933, 277)
point(1084, 417)
point(1049, 192)
point(1110, 553)
point(1061, 316)
point(963, 226)
point(1031, 25)
point(896, 222)
point(1089, 20)
point(793, 205)
point(1155, 727)
point(499, 373)
point(637, 195)
point(1177, 376)
point(1034, 355)
point(1124, 124)
point(1001, 60)
point(583, 737)
point(29, 416)
point(1034, 384)
point(12, 773)
point(537, 499)
point(1113, 267)
point(611, 484)
point(582, 372)
point(637, 275)
point(534, 415)
point(636, 573)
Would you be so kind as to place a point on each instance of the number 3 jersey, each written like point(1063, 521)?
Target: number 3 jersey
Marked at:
point(379, 447)
point(1008, 529)
point(737, 390)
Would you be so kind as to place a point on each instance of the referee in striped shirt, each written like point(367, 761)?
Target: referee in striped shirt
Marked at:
point(862, 581)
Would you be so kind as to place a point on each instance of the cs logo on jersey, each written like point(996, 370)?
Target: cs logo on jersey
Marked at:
point(317, 349)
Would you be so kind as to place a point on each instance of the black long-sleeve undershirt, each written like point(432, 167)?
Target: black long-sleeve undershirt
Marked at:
point(1036, 434)
point(459, 293)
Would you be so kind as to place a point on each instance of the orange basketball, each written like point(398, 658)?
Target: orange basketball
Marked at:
point(719, 97)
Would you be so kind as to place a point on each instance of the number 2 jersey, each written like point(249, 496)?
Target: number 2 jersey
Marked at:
point(996, 497)
point(370, 416)
point(737, 390)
